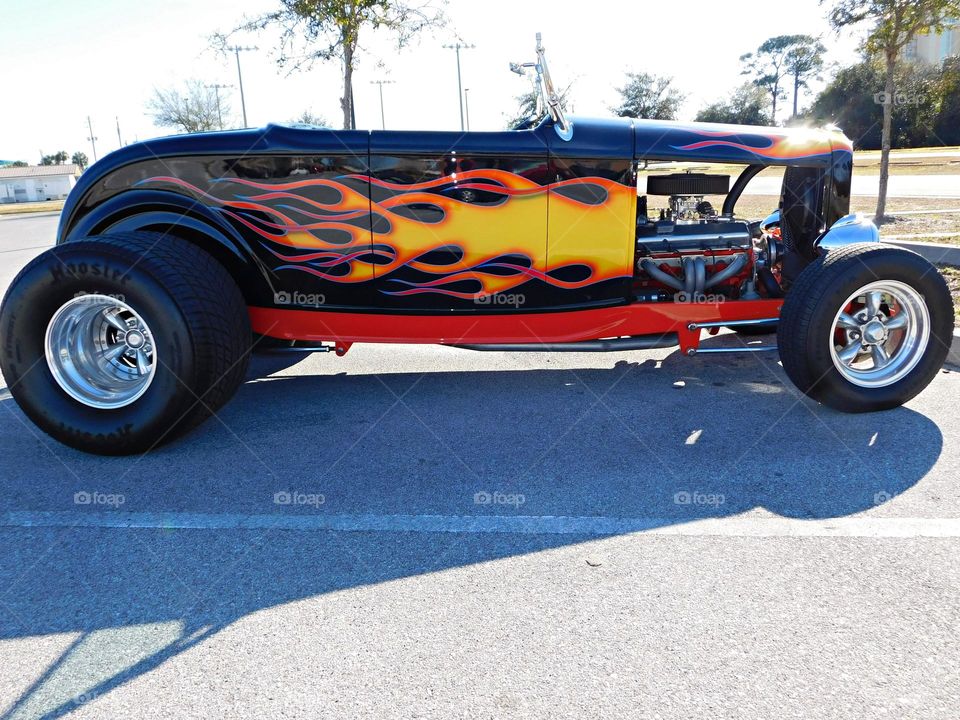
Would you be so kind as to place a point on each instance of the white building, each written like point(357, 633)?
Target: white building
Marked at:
point(37, 182)
point(935, 47)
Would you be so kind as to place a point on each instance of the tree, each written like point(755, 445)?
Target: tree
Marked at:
point(80, 159)
point(848, 102)
point(648, 96)
point(804, 61)
point(17, 163)
point(308, 117)
point(916, 105)
point(946, 126)
point(768, 68)
point(193, 109)
point(58, 158)
point(528, 106)
point(853, 101)
point(799, 57)
point(894, 24)
point(324, 30)
point(747, 106)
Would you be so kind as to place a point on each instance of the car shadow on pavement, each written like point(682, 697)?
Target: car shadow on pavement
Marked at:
point(671, 441)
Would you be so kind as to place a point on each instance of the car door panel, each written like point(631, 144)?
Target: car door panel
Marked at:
point(593, 200)
point(464, 221)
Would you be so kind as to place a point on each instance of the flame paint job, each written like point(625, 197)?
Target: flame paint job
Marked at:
point(734, 143)
point(323, 228)
point(770, 147)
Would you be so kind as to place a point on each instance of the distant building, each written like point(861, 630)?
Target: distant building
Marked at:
point(37, 182)
point(935, 47)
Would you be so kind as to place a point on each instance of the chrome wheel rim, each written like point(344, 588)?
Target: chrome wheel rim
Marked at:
point(880, 334)
point(100, 351)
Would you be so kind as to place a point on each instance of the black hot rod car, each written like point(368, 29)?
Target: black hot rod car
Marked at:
point(175, 256)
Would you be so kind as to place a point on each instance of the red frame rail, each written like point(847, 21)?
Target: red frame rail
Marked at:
point(548, 327)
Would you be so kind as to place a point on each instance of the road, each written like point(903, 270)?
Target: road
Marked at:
point(489, 535)
point(946, 153)
point(901, 186)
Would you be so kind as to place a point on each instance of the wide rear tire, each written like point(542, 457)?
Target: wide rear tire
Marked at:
point(59, 321)
point(866, 327)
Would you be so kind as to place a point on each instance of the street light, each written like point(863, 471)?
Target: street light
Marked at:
point(216, 88)
point(237, 49)
point(381, 83)
point(466, 102)
point(92, 138)
point(458, 46)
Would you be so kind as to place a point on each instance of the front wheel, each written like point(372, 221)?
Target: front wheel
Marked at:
point(118, 343)
point(866, 327)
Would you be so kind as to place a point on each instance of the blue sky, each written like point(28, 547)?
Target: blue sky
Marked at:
point(64, 60)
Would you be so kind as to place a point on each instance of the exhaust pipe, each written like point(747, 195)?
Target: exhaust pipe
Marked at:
point(637, 342)
point(651, 269)
point(728, 272)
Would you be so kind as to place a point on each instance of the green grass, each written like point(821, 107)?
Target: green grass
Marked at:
point(34, 207)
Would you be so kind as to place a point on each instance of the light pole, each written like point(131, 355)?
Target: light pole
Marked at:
point(381, 83)
point(458, 46)
point(466, 102)
point(119, 139)
point(237, 49)
point(216, 88)
point(92, 138)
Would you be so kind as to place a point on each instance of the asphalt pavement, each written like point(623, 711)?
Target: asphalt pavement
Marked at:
point(428, 532)
point(901, 186)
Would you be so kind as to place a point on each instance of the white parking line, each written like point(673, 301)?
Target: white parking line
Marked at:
point(734, 526)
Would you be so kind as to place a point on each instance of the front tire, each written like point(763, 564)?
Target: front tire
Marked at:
point(117, 343)
point(866, 327)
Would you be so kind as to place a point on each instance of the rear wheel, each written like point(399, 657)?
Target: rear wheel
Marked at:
point(865, 328)
point(118, 343)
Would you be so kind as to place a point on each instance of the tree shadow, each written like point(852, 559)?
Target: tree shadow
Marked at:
point(607, 439)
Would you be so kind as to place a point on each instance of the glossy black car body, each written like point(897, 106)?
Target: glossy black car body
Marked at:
point(193, 187)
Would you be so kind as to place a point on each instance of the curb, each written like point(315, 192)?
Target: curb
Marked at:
point(21, 216)
point(934, 252)
point(953, 356)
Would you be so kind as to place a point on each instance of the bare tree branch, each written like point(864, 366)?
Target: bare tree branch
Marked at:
point(325, 30)
point(192, 109)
